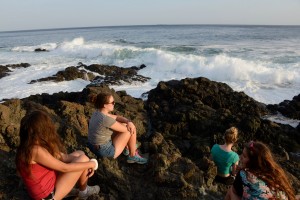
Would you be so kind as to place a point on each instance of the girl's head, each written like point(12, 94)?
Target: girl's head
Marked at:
point(38, 129)
point(103, 100)
point(231, 135)
point(257, 156)
point(258, 159)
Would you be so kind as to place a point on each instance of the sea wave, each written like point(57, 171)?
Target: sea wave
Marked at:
point(47, 46)
point(260, 79)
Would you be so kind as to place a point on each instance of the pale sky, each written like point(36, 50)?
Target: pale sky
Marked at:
point(44, 14)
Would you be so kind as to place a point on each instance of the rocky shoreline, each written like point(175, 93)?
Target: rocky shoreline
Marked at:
point(177, 125)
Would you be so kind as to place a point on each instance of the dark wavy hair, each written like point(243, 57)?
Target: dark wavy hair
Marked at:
point(100, 99)
point(262, 164)
point(37, 128)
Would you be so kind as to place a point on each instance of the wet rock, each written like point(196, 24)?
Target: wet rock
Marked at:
point(40, 49)
point(109, 75)
point(113, 75)
point(4, 70)
point(70, 73)
point(288, 108)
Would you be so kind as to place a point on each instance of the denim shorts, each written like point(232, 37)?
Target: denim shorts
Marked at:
point(105, 150)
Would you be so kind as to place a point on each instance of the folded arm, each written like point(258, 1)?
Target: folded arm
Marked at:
point(43, 157)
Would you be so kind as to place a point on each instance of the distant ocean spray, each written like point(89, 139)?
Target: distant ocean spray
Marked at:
point(262, 61)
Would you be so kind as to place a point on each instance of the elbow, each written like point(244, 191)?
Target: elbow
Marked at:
point(65, 169)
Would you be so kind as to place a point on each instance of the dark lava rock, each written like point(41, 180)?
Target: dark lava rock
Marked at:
point(4, 70)
point(40, 49)
point(113, 75)
point(70, 73)
point(177, 126)
point(288, 108)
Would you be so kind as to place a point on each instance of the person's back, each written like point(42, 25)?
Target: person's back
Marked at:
point(225, 159)
point(40, 182)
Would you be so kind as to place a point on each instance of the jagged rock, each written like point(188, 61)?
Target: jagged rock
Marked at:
point(40, 49)
point(288, 108)
point(4, 70)
point(176, 126)
point(113, 75)
point(70, 73)
point(110, 75)
point(189, 108)
point(25, 65)
point(194, 113)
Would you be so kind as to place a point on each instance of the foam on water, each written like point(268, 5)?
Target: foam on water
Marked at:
point(48, 46)
point(246, 65)
point(16, 85)
point(256, 79)
point(282, 120)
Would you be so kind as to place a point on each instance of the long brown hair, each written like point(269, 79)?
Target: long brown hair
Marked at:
point(262, 164)
point(37, 128)
point(100, 99)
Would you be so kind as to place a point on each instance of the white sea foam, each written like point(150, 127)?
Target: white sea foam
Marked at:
point(259, 80)
point(282, 120)
point(247, 66)
point(48, 46)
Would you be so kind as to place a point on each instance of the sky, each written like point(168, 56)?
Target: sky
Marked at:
point(45, 14)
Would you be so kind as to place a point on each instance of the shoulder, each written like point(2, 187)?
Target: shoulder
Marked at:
point(98, 114)
point(97, 117)
point(108, 120)
point(215, 150)
point(250, 178)
point(235, 156)
point(38, 151)
point(111, 116)
point(242, 173)
point(215, 146)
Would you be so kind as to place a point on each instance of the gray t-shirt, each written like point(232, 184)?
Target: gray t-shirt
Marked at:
point(99, 128)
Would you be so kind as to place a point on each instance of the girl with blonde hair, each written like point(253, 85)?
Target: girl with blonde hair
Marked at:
point(226, 159)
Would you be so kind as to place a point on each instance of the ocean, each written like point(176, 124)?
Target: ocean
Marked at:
point(262, 61)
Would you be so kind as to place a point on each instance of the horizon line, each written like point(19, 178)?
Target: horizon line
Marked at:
point(111, 26)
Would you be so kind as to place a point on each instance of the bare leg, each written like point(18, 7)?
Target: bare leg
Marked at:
point(66, 181)
point(132, 144)
point(121, 140)
point(77, 153)
point(227, 197)
point(114, 135)
point(231, 194)
point(73, 155)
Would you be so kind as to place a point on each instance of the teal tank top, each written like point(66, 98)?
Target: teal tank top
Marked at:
point(223, 159)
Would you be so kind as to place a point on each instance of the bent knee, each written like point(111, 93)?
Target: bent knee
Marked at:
point(82, 158)
point(78, 153)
